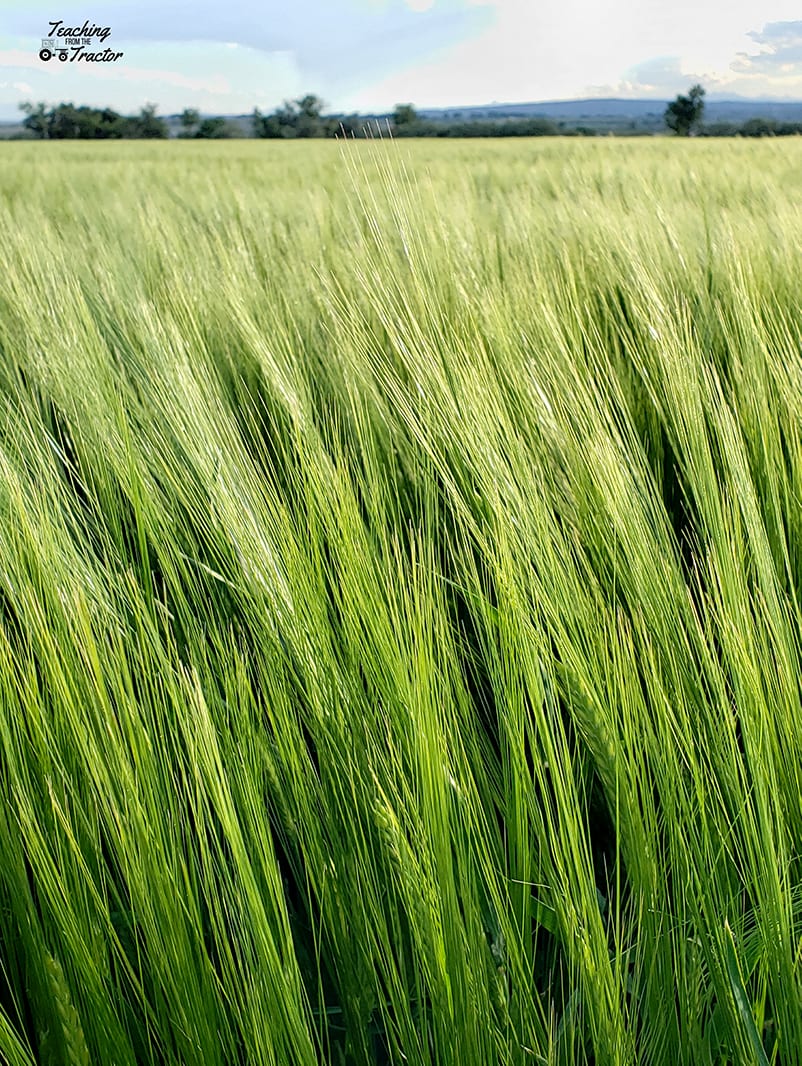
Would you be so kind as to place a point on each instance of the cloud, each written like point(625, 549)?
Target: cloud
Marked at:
point(775, 71)
point(774, 33)
point(780, 54)
point(19, 86)
point(334, 43)
point(16, 57)
point(661, 73)
point(661, 77)
point(370, 54)
point(209, 76)
point(214, 83)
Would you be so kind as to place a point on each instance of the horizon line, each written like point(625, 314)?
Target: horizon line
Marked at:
point(715, 97)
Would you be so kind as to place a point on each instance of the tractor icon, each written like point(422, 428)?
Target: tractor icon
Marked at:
point(50, 48)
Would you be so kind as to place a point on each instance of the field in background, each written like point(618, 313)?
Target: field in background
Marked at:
point(400, 573)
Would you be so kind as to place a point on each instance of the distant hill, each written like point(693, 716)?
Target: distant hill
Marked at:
point(614, 113)
point(715, 110)
point(597, 114)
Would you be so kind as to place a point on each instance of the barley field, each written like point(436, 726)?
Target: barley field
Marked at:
point(400, 623)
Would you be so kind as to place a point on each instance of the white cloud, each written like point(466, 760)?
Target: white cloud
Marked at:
point(436, 53)
point(15, 57)
point(660, 77)
point(214, 83)
point(552, 49)
point(778, 34)
point(780, 54)
point(211, 77)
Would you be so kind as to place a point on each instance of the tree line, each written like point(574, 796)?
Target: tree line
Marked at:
point(67, 122)
point(295, 119)
point(305, 118)
point(685, 113)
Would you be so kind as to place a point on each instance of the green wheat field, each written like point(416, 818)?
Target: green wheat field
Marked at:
point(401, 603)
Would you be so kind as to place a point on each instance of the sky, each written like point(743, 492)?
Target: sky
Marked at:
point(368, 55)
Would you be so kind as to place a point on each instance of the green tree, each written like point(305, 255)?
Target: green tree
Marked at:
point(264, 125)
point(404, 115)
point(65, 121)
point(37, 118)
point(213, 129)
point(68, 122)
point(310, 106)
point(759, 127)
point(684, 114)
point(190, 120)
point(148, 124)
point(349, 126)
point(297, 118)
point(309, 116)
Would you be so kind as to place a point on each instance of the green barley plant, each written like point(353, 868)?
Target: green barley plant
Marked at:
point(400, 603)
